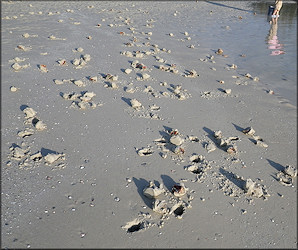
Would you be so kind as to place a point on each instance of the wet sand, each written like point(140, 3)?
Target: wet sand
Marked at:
point(100, 100)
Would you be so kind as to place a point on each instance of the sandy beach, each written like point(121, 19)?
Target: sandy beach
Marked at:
point(120, 129)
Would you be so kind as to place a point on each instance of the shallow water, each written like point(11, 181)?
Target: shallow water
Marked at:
point(270, 49)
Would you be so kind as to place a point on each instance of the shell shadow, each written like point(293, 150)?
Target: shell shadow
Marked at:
point(45, 151)
point(276, 165)
point(168, 182)
point(22, 107)
point(230, 177)
point(127, 100)
point(238, 127)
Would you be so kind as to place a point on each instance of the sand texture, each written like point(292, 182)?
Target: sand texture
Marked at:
point(120, 129)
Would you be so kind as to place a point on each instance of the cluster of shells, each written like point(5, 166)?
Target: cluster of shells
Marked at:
point(170, 204)
point(28, 160)
point(256, 139)
point(23, 155)
point(83, 100)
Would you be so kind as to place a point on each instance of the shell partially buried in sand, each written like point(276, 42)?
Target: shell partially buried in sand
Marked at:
point(13, 89)
point(160, 206)
point(18, 67)
point(286, 176)
point(153, 191)
point(254, 189)
point(145, 152)
point(176, 140)
point(52, 157)
point(135, 104)
point(29, 112)
point(249, 131)
point(179, 190)
point(40, 125)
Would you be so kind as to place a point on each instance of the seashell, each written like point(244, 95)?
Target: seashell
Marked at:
point(36, 157)
point(261, 144)
point(128, 71)
point(76, 61)
point(193, 138)
point(291, 171)
point(62, 62)
point(210, 147)
point(52, 37)
point(232, 150)
point(171, 34)
point(194, 169)
point(24, 48)
point(114, 85)
point(249, 131)
point(58, 82)
point(233, 66)
point(70, 96)
point(111, 77)
point(248, 75)
point(222, 142)
point(196, 158)
point(82, 105)
point(257, 137)
point(18, 153)
point(135, 104)
point(79, 83)
point(192, 73)
point(145, 152)
point(87, 96)
point(93, 78)
point(16, 66)
point(221, 82)
point(26, 132)
point(154, 107)
point(140, 66)
point(26, 35)
point(160, 206)
point(228, 91)
point(40, 125)
point(285, 180)
point(134, 63)
point(52, 157)
point(271, 92)
point(29, 112)
point(145, 76)
point(43, 68)
point(179, 190)
point(219, 51)
point(80, 49)
point(13, 89)
point(130, 90)
point(153, 191)
point(87, 57)
point(186, 33)
point(218, 134)
point(139, 55)
point(176, 140)
point(252, 189)
point(127, 53)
